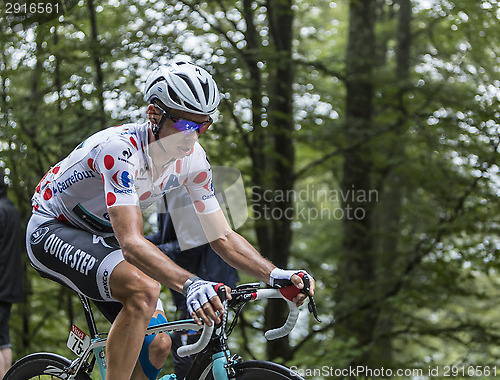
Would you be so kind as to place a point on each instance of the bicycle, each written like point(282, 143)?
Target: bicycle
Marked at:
point(213, 360)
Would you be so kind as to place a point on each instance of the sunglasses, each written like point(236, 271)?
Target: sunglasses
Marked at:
point(187, 126)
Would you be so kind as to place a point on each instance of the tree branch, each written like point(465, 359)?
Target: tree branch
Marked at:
point(321, 67)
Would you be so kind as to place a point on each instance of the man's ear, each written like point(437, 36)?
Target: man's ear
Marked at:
point(153, 114)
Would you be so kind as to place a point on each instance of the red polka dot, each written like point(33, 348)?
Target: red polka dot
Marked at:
point(145, 196)
point(110, 199)
point(178, 166)
point(48, 194)
point(199, 205)
point(90, 163)
point(134, 143)
point(55, 170)
point(109, 162)
point(201, 177)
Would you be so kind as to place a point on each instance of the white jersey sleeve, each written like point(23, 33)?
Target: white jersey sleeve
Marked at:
point(118, 168)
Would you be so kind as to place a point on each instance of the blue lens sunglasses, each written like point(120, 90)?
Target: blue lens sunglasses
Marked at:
point(187, 126)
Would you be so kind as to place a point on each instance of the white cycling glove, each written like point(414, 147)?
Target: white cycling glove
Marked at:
point(198, 292)
point(281, 278)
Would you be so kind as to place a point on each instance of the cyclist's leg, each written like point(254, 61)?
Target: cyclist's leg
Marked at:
point(156, 350)
point(84, 262)
point(138, 294)
point(160, 346)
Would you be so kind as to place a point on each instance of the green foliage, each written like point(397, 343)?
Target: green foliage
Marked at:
point(433, 146)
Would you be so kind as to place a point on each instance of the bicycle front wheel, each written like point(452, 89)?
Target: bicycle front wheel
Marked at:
point(247, 370)
point(42, 366)
point(258, 370)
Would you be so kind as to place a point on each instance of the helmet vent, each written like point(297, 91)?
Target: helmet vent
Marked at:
point(206, 89)
point(156, 81)
point(191, 107)
point(186, 79)
point(173, 95)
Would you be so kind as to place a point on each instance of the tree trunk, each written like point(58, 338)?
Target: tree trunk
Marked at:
point(258, 136)
point(281, 128)
point(95, 52)
point(57, 80)
point(357, 266)
point(388, 210)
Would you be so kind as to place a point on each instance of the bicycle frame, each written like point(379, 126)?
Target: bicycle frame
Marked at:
point(97, 343)
point(211, 344)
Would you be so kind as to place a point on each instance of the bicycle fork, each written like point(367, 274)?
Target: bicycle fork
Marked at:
point(222, 366)
point(101, 361)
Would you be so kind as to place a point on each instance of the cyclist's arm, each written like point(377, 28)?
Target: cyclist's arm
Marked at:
point(128, 226)
point(238, 252)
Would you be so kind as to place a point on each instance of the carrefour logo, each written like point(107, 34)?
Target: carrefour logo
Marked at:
point(126, 179)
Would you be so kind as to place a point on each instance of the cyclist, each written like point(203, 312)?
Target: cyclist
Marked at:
point(86, 230)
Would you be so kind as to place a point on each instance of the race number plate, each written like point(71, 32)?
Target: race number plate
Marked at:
point(78, 341)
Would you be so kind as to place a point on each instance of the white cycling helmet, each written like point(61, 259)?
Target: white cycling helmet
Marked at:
point(183, 86)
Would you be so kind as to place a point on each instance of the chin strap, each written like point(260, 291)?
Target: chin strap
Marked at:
point(155, 128)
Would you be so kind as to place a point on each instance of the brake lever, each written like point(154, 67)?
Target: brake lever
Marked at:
point(242, 294)
point(311, 306)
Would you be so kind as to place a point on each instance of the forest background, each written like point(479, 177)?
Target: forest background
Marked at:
point(367, 135)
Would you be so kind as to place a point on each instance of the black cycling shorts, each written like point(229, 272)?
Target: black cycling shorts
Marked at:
point(73, 257)
point(76, 258)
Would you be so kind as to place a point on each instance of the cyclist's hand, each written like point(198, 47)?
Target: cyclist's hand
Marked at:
point(203, 303)
point(291, 284)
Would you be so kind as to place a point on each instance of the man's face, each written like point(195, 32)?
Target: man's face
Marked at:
point(180, 143)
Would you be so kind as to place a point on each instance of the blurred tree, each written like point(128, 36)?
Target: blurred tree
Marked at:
point(425, 201)
point(357, 265)
point(320, 98)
